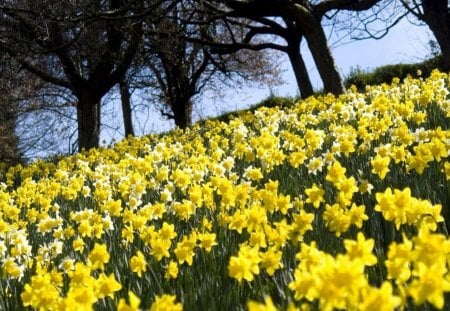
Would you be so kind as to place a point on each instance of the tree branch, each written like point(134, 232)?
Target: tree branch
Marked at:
point(415, 10)
point(229, 48)
point(353, 5)
point(127, 58)
point(36, 70)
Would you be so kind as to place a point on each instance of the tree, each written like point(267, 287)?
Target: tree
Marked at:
point(85, 47)
point(9, 151)
point(436, 14)
point(303, 18)
point(181, 69)
point(9, 143)
point(290, 32)
point(293, 35)
point(125, 97)
point(31, 114)
point(35, 116)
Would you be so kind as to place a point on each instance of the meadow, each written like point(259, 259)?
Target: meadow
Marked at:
point(325, 204)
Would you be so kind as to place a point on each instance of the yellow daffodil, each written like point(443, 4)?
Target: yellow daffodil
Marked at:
point(133, 304)
point(138, 263)
point(165, 303)
point(99, 256)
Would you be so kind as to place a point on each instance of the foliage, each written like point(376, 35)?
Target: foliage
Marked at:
point(328, 203)
point(385, 74)
point(270, 102)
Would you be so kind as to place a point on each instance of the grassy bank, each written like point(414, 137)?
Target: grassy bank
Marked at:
point(328, 203)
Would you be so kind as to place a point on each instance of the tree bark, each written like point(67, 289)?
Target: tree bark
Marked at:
point(182, 113)
point(321, 53)
point(444, 43)
point(9, 142)
point(298, 66)
point(126, 108)
point(437, 17)
point(88, 116)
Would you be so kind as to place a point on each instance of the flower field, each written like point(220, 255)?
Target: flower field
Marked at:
point(328, 204)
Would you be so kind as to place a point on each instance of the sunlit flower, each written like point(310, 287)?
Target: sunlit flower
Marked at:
point(271, 260)
point(315, 195)
point(79, 298)
point(207, 241)
point(398, 261)
point(133, 304)
point(159, 247)
point(40, 293)
point(315, 165)
point(185, 250)
point(245, 264)
point(337, 219)
point(99, 256)
point(106, 286)
point(335, 172)
point(266, 306)
point(383, 298)
point(249, 192)
point(166, 303)
point(430, 285)
point(361, 249)
point(171, 270)
point(138, 263)
point(380, 166)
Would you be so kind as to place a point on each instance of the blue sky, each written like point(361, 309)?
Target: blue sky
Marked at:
point(404, 43)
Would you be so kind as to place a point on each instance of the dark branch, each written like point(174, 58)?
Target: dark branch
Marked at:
point(352, 5)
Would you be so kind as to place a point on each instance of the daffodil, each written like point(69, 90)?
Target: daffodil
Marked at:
point(361, 249)
point(41, 293)
point(99, 256)
point(245, 265)
point(106, 286)
point(380, 166)
point(335, 172)
point(315, 195)
point(138, 263)
point(383, 298)
point(266, 306)
point(171, 270)
point(133, 304)
point(271, 260)
point(166, 302)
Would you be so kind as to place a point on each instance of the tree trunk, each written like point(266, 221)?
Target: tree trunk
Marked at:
point(299, 68)
point(321, 53)
point(437, 17)
point(88, 116)
point(182, 113)
point(9, 142)
point(444, 43)
point(126, 107)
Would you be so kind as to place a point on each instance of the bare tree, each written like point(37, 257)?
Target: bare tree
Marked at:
point(34, 118)
point(255, 38)
point(179, 69)
point(301, 18)
point(85, 47)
